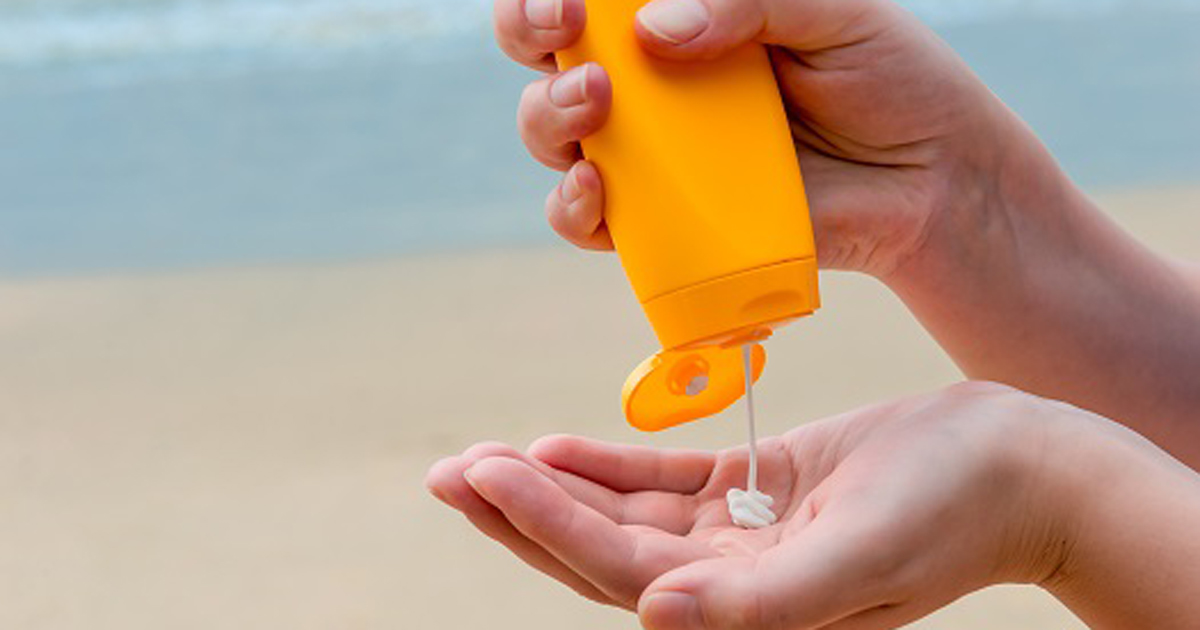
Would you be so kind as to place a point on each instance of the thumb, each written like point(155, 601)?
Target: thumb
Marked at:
point(829, 573)
point(705, 29)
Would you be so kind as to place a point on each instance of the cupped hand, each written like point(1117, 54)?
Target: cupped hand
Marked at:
point(886, 514)
point(891, 128)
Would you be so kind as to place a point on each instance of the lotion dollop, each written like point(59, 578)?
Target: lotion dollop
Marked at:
point(750, 509)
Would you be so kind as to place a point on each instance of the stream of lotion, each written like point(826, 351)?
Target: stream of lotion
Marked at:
point(750, 508)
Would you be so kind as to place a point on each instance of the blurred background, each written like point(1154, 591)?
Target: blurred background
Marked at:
point(263, 261)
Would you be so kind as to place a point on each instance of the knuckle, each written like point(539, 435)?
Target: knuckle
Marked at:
point(529, 47)
point(553, 204)
point(556, 217)
point(505, 34)
point(508, 25)
point(530, 106)
point(577, 127)
point(549, 138)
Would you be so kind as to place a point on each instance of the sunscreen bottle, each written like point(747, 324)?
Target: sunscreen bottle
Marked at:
point(706, 206)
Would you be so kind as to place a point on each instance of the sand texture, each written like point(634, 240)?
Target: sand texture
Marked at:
point(244, 448)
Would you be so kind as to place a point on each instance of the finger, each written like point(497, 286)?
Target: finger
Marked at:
point(575, 208)
point(596, 496)
point(826, 572)
point(620, 561)
point(557, 112)
point(446, 482)
point(704, 29)
point(531, 31)
point(627, 468)
point(668, 512)
point(637, 503)
point(673, 609)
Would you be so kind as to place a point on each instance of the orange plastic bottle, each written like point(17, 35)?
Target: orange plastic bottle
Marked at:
point(705, 203)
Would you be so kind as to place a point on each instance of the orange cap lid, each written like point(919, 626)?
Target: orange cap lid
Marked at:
point(678, 386)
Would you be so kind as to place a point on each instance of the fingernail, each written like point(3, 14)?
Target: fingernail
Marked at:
point(469, 476)
point(544, 13)
point(677, 21)
point(671, 610)
point(570, 88)
point(571, 191)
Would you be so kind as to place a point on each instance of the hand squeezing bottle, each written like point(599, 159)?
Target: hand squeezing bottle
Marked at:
point(706, 207)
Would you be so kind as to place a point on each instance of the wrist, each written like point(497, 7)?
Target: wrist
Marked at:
point(1128, 520)
point(1004, 199)
point(1023, 260)
point(1049, 484)
point(1071, 462)
point(1097, 477)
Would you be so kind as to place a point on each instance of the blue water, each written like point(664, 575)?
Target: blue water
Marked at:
point(154, 134)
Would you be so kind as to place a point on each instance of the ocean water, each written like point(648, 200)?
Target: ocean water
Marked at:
point(150, 134)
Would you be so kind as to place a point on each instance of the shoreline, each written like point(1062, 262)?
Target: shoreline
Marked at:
point(1122, 203)
point(379, 153)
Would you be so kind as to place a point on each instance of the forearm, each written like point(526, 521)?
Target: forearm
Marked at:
point(1131, 517)
point(1050, 296)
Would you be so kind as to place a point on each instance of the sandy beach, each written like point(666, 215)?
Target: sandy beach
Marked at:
point(244, 448)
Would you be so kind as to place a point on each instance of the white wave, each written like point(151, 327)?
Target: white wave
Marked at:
point(37, 31)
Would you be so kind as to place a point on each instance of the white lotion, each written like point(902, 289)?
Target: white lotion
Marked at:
point(750, 508)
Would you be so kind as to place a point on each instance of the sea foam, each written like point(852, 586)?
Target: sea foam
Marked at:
point(52, 31)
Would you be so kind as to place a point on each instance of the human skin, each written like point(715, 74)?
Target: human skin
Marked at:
point(919, 176)
point(886, 514)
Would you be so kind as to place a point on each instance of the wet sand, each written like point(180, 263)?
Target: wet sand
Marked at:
point(244, 448)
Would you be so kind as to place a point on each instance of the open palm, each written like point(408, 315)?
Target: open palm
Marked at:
point(886, 514)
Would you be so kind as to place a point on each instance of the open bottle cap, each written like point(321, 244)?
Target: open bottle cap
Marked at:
point(678, 386)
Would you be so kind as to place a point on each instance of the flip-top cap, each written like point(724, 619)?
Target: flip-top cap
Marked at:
point(678, 386)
